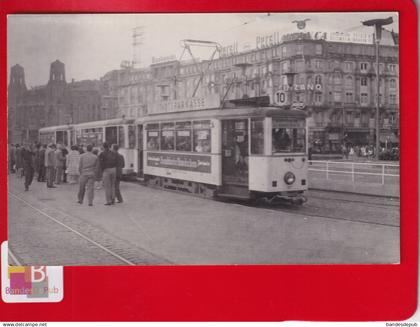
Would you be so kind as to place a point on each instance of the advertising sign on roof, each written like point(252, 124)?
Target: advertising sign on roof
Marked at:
point(186, 104)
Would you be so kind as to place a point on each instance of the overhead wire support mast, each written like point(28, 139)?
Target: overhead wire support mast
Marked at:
point(378, 23)
point(187, 43)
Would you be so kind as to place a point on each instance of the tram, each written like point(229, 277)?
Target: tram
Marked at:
point(240, 152)
point(119, 131)
point(63, 134)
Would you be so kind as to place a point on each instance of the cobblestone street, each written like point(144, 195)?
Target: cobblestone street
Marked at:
point(48, 226)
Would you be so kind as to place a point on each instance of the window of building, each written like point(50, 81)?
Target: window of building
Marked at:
point(202, 136)
point(283, 80)
point(318, 79)
point(392, 68)
point(393, 99)
point(183, 136)
point(257, 136)
point(300, 65)
point(284, 51)
point(363, 81)
point(318, 49)
point(392, 83)
point(300, 79)
point(337, 96)
point(349, 97)
point(363, 66)
point(167, 141)
point(363, 98)
point(318, 64)
point(349, 82)
point(318, 98)
point(348, 66)
point(285, 66)
point(299, 49)
point(337, 79)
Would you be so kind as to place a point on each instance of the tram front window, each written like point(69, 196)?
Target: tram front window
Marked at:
point(286, 140)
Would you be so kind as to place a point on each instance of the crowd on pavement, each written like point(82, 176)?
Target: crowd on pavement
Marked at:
point(53, 164)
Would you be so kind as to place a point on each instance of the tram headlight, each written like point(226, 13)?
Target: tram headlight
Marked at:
point(289, 178)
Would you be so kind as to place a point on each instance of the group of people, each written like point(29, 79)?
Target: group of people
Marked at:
point(54, 164)
point(363, 151)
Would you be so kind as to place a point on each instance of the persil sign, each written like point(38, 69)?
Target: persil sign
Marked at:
point(266, 41)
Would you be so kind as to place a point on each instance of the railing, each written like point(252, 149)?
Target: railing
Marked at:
point(357, 172)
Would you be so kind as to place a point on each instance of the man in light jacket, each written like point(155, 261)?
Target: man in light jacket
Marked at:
point(87, 169)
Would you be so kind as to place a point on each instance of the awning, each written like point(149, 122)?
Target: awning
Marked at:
point(391, 137)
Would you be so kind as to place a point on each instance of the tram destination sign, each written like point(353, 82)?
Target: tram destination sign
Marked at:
point(197, 163)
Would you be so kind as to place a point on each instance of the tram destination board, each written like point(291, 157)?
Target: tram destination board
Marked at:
point(196, 163)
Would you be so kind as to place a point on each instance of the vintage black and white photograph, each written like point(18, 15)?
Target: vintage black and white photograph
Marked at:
point(203, 139)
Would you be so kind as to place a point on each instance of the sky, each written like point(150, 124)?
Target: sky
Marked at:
point(92, 44)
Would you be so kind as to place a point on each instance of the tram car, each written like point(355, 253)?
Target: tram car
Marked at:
point(241, 152)
point(119, 131)
point(63, 135)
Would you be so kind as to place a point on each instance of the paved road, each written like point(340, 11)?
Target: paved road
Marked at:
point(161, 227)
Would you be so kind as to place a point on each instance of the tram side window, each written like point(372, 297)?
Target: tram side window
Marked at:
point(152, 136)
point(167, 141)
point(202, 136)
point(257, 136)
point(131, 137)
point(59, 136)
point(183, 136)
point(121, 138)
point(111, 136)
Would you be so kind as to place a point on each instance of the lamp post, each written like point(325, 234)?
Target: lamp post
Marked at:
point(377, 23)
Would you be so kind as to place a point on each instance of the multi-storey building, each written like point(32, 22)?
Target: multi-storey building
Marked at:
point(335, 82)
point(56, 103)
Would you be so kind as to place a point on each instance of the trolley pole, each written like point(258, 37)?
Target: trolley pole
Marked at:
point(378, 23)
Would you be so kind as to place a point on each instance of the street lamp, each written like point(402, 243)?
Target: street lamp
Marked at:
point(377, 23)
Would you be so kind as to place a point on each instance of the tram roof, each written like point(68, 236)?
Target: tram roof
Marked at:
point(55, 128)
point(225, 113)
point(108, 122)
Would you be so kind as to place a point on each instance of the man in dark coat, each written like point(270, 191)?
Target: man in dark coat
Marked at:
point(41, 163)
point(120, 166)
point(108, 164)
point(28, 165)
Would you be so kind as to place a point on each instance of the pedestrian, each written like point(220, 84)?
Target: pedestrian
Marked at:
point(50, 165)
point(72, 164)
point(87, 166)
point(37, 147)
point(12, 158)
point(18, 160)
point(59, 164)
point(28, 164)
point(119, 168)
point(98, 175)
point(41, 163)
point(108, 163)
point(65, 153)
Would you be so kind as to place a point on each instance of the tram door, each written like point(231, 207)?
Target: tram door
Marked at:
point(235, 152)
point(140, 150)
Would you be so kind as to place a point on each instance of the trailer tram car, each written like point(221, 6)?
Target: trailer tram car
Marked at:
point(242, 152)
point(119, 131)
point(63, 134)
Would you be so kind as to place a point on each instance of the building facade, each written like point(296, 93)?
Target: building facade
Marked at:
point(334, 82)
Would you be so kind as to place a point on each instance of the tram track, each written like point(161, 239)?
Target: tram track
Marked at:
point(304, 210)
point(120, 249)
